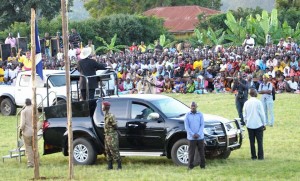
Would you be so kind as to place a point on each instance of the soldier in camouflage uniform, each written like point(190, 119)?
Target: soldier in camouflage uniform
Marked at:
point(111, 137)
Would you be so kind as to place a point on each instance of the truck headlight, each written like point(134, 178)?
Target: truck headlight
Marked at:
point(209, 130)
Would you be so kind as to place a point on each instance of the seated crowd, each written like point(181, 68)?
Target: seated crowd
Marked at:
point(185, 69)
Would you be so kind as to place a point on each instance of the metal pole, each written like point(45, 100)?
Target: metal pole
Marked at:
point(69, 107)
point(34, 104)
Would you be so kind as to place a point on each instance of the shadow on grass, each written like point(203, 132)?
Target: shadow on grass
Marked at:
point(49, 178)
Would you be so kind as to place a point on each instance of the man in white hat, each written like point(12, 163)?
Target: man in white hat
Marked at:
point(88, 67)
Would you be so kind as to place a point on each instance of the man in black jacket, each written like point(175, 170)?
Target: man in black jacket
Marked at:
point(241, 86)
point(88, 67)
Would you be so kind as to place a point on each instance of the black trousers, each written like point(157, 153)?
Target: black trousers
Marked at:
point(239, 107)
point(258, 135)
point(199, 144)
point(91, 94)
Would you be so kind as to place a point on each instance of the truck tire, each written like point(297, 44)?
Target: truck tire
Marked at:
point(83, 153)
point(225, 154)
point(7, 107)
point(179, 152)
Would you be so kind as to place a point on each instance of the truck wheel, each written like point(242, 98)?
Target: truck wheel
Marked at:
point(8, 107)
point(83, 153)
point(225, 154)
point(179, 152)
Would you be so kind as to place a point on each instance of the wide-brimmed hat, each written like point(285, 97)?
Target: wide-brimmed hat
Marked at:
point(85, 52)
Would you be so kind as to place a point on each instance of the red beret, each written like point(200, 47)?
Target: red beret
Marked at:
point(106, 103)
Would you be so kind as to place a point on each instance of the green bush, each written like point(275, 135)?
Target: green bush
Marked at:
point(129, 28)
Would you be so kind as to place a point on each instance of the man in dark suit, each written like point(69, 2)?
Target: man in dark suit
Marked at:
point(88, 67)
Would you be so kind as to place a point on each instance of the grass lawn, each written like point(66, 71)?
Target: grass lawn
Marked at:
point(281, 146)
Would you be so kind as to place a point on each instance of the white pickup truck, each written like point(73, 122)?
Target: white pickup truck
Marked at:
point(13, 96)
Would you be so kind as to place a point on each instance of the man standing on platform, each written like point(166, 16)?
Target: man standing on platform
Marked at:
point(87, 67)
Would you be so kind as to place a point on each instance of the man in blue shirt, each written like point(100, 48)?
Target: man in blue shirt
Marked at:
point(194, 125)
point(254, 116)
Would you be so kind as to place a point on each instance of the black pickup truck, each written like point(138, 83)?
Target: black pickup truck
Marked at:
point(148, 125)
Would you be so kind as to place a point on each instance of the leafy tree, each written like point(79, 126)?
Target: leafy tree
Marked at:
point(98, 8)
point(289, 11)
point(291, 15)
point(244, 12)
point(214, 21)
point(217, 21)
point(109, 48)
point(163, 41)
point(287, 4)
point(19, 10)
point(236, 32)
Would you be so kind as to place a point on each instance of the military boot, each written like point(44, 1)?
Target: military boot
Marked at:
point(119, 164)
point(109, 165)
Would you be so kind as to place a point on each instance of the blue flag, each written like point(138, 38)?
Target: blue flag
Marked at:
point(38, 54)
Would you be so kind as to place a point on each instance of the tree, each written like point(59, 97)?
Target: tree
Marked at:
point(109, 48)
point(217, 21)
point(98, 8)
point(19, 10)
point(287, 4)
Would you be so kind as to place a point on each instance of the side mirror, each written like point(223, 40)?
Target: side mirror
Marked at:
point(153, 116)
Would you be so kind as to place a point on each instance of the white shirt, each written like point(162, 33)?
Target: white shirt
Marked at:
point(254, 114)
point(249, 43)
point(293, 85)
point(72, 53)
point(60, 56)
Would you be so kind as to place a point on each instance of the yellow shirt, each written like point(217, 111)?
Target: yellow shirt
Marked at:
point(278, 68)
point(119, 75)
point(27, 63)
point(1, 74)
point(9, 59)
point(142, 48)
point(198, 63)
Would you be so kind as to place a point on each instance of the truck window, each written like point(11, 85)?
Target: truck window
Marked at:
point(119, 108)
point(140, 111)
point(58, 80)
point(24, 81)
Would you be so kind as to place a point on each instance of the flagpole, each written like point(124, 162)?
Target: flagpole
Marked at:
point(67, 67)
point(34, 105)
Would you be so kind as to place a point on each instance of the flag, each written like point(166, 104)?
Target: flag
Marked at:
point(38, 54)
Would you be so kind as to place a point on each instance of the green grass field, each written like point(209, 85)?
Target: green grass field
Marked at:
point(281, 146)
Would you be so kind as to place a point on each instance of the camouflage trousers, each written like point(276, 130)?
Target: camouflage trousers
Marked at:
point(112, 146)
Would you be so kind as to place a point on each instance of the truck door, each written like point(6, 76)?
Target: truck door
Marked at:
point(120, 110)
point(143, 133)
point(24, 89)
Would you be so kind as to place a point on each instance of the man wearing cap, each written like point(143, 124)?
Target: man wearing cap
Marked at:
point(111, 137)
point(88, 67)
point(241, 86)
point(265, 89)
point(194, 125)
point(254, 117)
